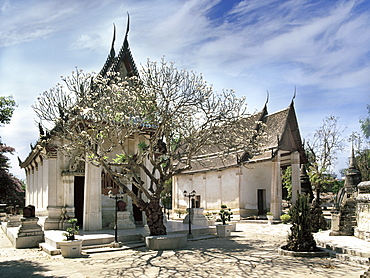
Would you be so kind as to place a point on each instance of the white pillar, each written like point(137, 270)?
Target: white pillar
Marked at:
point(27, 185)
point(276, 187)
point(32, 185)
point(296, 182)
point(39, 184)
point(92, 204)
point(52, 183)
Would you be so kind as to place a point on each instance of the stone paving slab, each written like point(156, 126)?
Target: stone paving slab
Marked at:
point(251, 251)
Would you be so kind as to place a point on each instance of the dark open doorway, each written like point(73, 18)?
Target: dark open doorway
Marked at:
point(79, 197)
point(138, 215)
point(261, 197)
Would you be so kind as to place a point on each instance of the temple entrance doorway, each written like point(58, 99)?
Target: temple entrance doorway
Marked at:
point(79, 198)
point(138, 214)
point(261, 197)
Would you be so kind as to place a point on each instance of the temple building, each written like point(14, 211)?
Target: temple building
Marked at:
point(62, 187)
point(248, 185)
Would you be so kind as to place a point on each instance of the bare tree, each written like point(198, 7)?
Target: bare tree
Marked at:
point(142, 131)
point(322, 150)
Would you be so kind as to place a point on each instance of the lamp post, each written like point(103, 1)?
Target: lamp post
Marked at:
point(116, 197)
point(166, 204)
point(189, 195)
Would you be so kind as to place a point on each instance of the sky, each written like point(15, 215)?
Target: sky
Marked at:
point(319, 48)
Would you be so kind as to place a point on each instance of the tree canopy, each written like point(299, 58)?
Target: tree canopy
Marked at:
point(322, 149)
point(143, 130)
point(10, 187)
point(7, 106)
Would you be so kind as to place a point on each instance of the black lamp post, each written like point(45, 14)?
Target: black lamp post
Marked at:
point(167, 201)
point(116, 197)
point(189, 195)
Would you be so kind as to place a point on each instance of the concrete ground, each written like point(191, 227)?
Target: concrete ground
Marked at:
point(251, 251)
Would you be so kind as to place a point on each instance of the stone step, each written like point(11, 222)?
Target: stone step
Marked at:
point(106, 247)
point(93, 248)
point(49, 249)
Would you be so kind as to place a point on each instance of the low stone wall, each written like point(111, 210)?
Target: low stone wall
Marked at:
point(166, 242)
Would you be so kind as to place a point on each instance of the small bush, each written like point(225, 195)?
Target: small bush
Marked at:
point(285, 218)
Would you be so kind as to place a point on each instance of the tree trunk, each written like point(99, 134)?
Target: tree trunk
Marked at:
point(154, 218)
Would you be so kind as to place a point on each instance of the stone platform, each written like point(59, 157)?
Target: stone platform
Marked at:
point(345, 248)
point(129, 237)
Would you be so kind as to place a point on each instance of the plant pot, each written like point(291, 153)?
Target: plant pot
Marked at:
point(269, 219)
point(211, 222)
point(223, 230)
point(71, 248)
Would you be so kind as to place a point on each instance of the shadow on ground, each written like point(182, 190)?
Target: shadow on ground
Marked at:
point(22, 268)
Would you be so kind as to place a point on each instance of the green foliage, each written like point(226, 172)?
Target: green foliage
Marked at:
point(318, 221)
point(285, 218)
point(73, 230)
point(363, 163)
point(180, 212)
point(287, 181)
point(225, 214)
point(338, 184)
point(142, 146)
point(7, 106)
point(300, 237)
point(365, 124)
point(120, 158)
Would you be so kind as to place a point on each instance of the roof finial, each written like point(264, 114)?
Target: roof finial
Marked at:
point(294, 95)
point(125, 43)
point(112, 52)
point(267, 97)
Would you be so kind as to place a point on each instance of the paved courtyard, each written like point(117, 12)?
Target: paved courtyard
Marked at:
point(250, 252)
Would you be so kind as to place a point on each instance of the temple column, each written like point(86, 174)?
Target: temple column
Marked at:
point(32, 185)
point(296, 182)
point(39, 185)
point(28, 182)
point(54, 189)
point(92, 204)
point(68, 207)
point(276, 188)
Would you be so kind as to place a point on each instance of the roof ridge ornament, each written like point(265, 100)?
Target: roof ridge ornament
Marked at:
point(125, 42)
point(112, 52)
point(267, 97)
point(294, 95)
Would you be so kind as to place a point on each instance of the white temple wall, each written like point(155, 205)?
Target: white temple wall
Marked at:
point(254, 177)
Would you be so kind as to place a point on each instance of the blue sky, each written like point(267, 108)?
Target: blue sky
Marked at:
point(320, 47)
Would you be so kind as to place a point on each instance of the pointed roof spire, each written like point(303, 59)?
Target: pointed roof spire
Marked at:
point(112, 52)
point(267, 99)
point(352, 160)
point(125, 42)
point(294, 95)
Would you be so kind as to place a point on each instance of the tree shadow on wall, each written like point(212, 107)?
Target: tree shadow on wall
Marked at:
point(23, 268)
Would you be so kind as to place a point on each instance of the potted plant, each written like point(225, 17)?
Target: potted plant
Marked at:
point(210, 218)
point(270, 217)
point(224, 230)
point(71, 247)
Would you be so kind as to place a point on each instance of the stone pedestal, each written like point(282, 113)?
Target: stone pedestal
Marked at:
point(362, 230)
point(124, 221)
point(13, 220)
point(196, 217)
point(30, 234)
